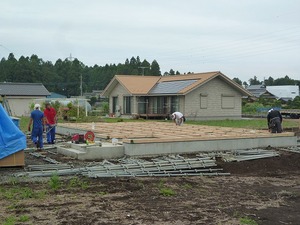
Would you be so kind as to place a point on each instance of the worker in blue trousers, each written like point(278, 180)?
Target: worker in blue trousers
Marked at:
point(37, 120)
point(51, 120)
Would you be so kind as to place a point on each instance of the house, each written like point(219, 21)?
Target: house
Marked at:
point(284, 92)
point(17, 97)
point(56, 95)
point(210, 95)
point(257, 90)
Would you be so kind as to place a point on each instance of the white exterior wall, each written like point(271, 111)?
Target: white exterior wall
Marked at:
point(20, 106)
point(119, 91)
point(284, 91)
point(214, 90)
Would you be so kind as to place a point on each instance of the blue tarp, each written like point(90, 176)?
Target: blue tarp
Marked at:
point(12, 139)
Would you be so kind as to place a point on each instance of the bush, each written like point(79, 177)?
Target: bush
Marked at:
point(251, 108)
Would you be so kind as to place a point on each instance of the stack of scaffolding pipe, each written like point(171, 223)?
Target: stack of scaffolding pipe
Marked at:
point(169, 167)
point(48, 167)
point(158, 175)
point(157, 168)
point(49, 173)
point(252, 157)
point(139, 173)
point(249, 155)
point(252, 152)
point(294, 149)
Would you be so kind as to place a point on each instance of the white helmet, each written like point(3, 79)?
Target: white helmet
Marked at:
point(37, 106)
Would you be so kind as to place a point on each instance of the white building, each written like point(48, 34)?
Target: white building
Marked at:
point(284, 92)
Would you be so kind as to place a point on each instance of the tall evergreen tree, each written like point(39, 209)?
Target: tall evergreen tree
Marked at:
point(155, 69)
point(237, 80)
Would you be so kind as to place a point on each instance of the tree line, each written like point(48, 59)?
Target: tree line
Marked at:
point(65, 76)
point(268, 82)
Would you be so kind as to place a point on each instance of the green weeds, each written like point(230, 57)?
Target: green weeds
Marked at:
point(19, 193)
point(164, 190)
point(248, 221)
point(54, 182)
point(75, 182)
point(12, 220)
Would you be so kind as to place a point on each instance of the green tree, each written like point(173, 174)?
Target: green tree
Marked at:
point(155, 69)
point(146, 66)
point(237, 80)
point(245, 84)
point(269, 81)
point(285, 81)
point(254, 81)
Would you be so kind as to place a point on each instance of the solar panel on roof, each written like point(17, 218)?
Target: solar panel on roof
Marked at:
point(171, 87)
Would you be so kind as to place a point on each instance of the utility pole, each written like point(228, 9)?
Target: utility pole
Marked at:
point(143, 69)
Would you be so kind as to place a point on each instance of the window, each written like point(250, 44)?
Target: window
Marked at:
point(174, 104)
point(143, 103)
point(227, 101)
point(114, 104)
point(127, 104)
point(203, 101)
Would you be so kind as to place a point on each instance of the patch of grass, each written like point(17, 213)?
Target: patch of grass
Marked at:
point(41, 194)
point(167, 192)
point(10, 220)
point(164, 190)
point(54, 182)
point(27, 193)
point(245, 123)
point(161, 183)
point(24, 218)
point(18, 193)
point(75, 182)
point(248, 221)
point(14, 181)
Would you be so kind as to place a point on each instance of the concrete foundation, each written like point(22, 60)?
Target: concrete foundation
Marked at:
point(91, 152)
point(181, 147)
point(145, 139)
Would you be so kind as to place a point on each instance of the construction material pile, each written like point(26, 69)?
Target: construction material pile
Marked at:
point(159, 167)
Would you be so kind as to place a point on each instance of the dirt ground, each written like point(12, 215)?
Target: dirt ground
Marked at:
point(263, 191)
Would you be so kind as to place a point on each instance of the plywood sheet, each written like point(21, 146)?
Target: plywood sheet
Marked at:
point(164, 131)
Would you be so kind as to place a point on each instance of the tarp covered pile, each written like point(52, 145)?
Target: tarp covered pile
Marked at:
point(12, 139)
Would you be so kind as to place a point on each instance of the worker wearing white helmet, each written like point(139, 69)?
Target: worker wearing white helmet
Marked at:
point(37, 119)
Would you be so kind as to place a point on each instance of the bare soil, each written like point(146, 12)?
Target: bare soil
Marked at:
point(264, 191)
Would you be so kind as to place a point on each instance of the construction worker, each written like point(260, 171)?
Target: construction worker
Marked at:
point(37, 119)
point(274, 118)
point(178, 118)
point(50, 116)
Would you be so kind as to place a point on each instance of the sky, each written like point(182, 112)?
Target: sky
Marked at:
point(240, 38)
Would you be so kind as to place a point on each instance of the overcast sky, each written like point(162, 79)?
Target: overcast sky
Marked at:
point(240, 38)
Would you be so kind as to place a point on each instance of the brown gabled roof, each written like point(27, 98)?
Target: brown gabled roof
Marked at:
point(137, 84)
point(177, 84)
